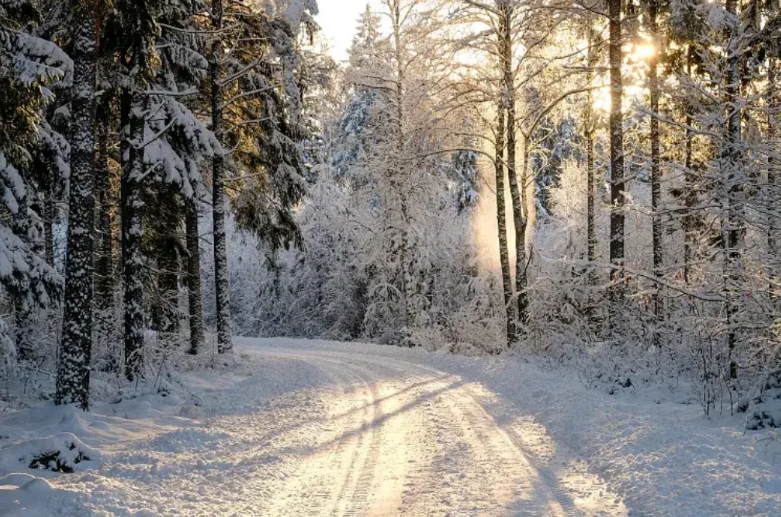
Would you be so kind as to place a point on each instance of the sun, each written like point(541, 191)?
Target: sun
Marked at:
point(643, 52)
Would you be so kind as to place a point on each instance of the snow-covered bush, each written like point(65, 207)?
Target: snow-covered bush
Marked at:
point(63, 452)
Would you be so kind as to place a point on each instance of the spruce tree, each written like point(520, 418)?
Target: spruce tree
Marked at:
point(221, 282)
point(256, 110)
point(165, 144)
point(76, 348)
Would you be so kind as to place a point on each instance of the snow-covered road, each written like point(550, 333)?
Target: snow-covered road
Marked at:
point(310, 428)
point(401, 439)
point(304, 429)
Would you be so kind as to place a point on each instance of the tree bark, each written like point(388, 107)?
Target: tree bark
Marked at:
point(656, 174)
point(591, 226)
point(731, 161)
point(104, 256)
point(194, 277)
point(221, 280)
point(73, 371)
point(517, 192)
point(168, 285)
point(773, 165)
point(132, 245)
point(408, 285)
point(690, 195)
point(501, 219)
point(617, 187)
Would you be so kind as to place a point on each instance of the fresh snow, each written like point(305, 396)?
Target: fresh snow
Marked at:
point(303, 428)
point(65, 452)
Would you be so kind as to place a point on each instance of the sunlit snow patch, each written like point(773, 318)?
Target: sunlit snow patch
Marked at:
point(24, 495)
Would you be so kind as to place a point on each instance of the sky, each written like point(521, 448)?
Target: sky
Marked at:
point(339, 19)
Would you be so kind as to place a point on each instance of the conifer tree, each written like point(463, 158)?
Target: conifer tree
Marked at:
point(76, 349)
point(255, 109)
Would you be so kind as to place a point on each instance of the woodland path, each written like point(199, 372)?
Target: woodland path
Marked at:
point(404, 439)
point(302, 430)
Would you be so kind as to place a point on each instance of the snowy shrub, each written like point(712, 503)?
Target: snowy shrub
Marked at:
point(63, 452)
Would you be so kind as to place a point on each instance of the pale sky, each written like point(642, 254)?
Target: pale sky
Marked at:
point(339, 18)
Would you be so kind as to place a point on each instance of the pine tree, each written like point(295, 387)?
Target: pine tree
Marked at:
point(222, 287)
point(76, 348)
point(194, 277)
point(164, 143)
point(355, 137)
point(164, 241)
point(136, 51)
point(179, 143)
point(31, 69)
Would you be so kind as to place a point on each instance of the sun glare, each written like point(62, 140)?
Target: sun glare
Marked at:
point(643, 52)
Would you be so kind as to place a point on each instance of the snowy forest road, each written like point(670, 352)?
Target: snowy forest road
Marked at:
point(403, 439)
point(312, 428)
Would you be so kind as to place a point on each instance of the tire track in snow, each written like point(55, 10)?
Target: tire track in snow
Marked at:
point(576, 491)
point(517, 479)
point(384, 437)
point(323, 477)
point(459, 461)
point(354, 491)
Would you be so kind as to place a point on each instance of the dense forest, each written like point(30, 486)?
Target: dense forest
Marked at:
point(594, 183)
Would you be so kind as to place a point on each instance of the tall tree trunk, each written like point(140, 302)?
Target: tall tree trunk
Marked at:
point(169, 242)
point(773, 165)
point(398, 183)
point(132, 245)
point(731, 161)
point(104, 252)
point(591, 226)
point(690, 194)
point(221, 280)
point(76, 348)
point(194, 277)
point(168, 286)
point(517, 192)
point(501, 218)
point(617, 187)
point(656, 174)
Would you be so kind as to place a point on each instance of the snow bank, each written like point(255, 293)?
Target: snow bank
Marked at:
point(60, 453)
point(47, 441)
point(24, 495)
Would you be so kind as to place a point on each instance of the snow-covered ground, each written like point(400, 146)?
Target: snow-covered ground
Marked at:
point(305, 428)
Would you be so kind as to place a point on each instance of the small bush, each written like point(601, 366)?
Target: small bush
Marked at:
point(50, 460)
